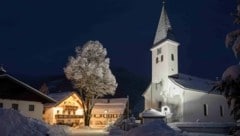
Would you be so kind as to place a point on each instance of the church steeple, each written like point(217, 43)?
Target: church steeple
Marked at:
point(164, 29)
point(164, 51)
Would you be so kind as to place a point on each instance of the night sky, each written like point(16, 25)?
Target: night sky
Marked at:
point(36, 37)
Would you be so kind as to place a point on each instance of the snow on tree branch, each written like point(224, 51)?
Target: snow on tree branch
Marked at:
point(233, 41)
point(89, 70)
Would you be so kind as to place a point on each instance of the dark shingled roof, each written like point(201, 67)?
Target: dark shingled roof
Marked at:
point(164, 29)
point(12, 88)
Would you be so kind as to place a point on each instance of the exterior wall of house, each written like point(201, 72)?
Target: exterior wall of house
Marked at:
point(48, 116)
point(69, 112)
point(108, 111)
point(101, 120)
point(205, 107)
point(28, 108)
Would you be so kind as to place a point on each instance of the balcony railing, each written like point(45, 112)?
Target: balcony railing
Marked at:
point(67, 116)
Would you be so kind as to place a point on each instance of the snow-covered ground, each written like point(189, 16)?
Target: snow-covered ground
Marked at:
point(13, 123)
point(160, 128)
point(154, 128)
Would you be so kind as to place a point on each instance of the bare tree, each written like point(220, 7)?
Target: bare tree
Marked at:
point(90, 74)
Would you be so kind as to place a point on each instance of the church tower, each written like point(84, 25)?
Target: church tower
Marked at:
point(164, 50)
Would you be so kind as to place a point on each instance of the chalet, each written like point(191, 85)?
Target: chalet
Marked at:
point(68, 110)
point(108, 111)
point(20, 96)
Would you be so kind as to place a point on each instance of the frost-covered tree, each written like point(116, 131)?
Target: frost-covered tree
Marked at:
point(233, 38)
point(229, 86)
point(90, 74)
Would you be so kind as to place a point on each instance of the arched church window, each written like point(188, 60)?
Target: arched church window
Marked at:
point(205, 108)
point(157, 60)
point(161, 58)
point(221, 110)
point(172, 57)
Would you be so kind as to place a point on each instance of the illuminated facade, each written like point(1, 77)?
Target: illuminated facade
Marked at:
point(68, 110)
point(108, 111)
point(181, 97)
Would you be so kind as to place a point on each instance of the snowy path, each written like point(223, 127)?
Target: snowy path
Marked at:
point(87, 132)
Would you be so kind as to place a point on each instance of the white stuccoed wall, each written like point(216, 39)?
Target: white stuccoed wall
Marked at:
point(194, 111)
point(23, 107)
point(161, 70)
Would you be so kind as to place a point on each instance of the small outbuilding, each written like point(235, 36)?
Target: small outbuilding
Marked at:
point(150, 115)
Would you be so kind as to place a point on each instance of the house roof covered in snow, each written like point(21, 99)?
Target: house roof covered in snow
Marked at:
point(59, 97)
point(192, 82)
point(12, 88)
point(152, 113)
point(113, 105)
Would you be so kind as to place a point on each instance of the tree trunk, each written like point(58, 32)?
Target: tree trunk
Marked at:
point(87, 120)
point(87, 113)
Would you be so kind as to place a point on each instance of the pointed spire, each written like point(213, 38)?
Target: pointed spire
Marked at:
point(164, 29)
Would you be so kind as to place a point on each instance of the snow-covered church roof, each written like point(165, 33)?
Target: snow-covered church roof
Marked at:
point(164, 29)
point(192, 82)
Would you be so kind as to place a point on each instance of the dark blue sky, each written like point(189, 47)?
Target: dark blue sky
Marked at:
point(36, 37)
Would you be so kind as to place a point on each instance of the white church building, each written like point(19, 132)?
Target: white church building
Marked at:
point(181, 97)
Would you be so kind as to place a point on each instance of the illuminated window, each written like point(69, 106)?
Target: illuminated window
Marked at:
point(15, 106)
point(105, 115)
point(221, 111)
point(172, 57)
point(31, 107)
point(1, 105)
point(205, 108)
point(161, 58)
point(157, 60)
point(159, 51)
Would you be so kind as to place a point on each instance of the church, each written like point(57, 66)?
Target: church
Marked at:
point(180, 97)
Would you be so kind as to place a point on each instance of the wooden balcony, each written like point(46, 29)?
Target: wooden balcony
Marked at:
point(59, 116)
